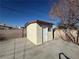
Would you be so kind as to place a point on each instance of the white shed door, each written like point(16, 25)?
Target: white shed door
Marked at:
point(45, 31)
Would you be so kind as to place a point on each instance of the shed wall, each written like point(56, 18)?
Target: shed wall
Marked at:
point(35, 34)
point(32, 33)
point(39, 34)
point(50, 35)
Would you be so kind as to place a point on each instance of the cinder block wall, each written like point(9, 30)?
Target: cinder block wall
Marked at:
point(61, 34)
point(10, 34)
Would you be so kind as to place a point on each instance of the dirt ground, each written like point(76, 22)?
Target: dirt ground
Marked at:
point(22, 48)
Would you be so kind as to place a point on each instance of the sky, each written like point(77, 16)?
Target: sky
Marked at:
point(18, 12)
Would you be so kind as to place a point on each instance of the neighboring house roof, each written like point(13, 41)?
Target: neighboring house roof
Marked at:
point(2, 26)
point(6, 26)
point(40, 22)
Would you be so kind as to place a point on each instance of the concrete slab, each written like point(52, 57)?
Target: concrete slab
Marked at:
point(23, 49)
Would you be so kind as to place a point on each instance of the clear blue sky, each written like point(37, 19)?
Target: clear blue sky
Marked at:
point(18, 12)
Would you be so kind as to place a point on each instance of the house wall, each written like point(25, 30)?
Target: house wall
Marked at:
point(32, 33)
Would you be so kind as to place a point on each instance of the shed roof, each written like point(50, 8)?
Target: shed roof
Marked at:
point(40, 22)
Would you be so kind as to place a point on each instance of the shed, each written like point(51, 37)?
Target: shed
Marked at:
point(39, 31)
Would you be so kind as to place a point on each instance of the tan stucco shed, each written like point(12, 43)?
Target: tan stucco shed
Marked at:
point(39, 32)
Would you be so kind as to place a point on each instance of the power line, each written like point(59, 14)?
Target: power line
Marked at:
point(12, 9)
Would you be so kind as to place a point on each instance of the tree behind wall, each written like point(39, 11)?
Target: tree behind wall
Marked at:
point(68, 11)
